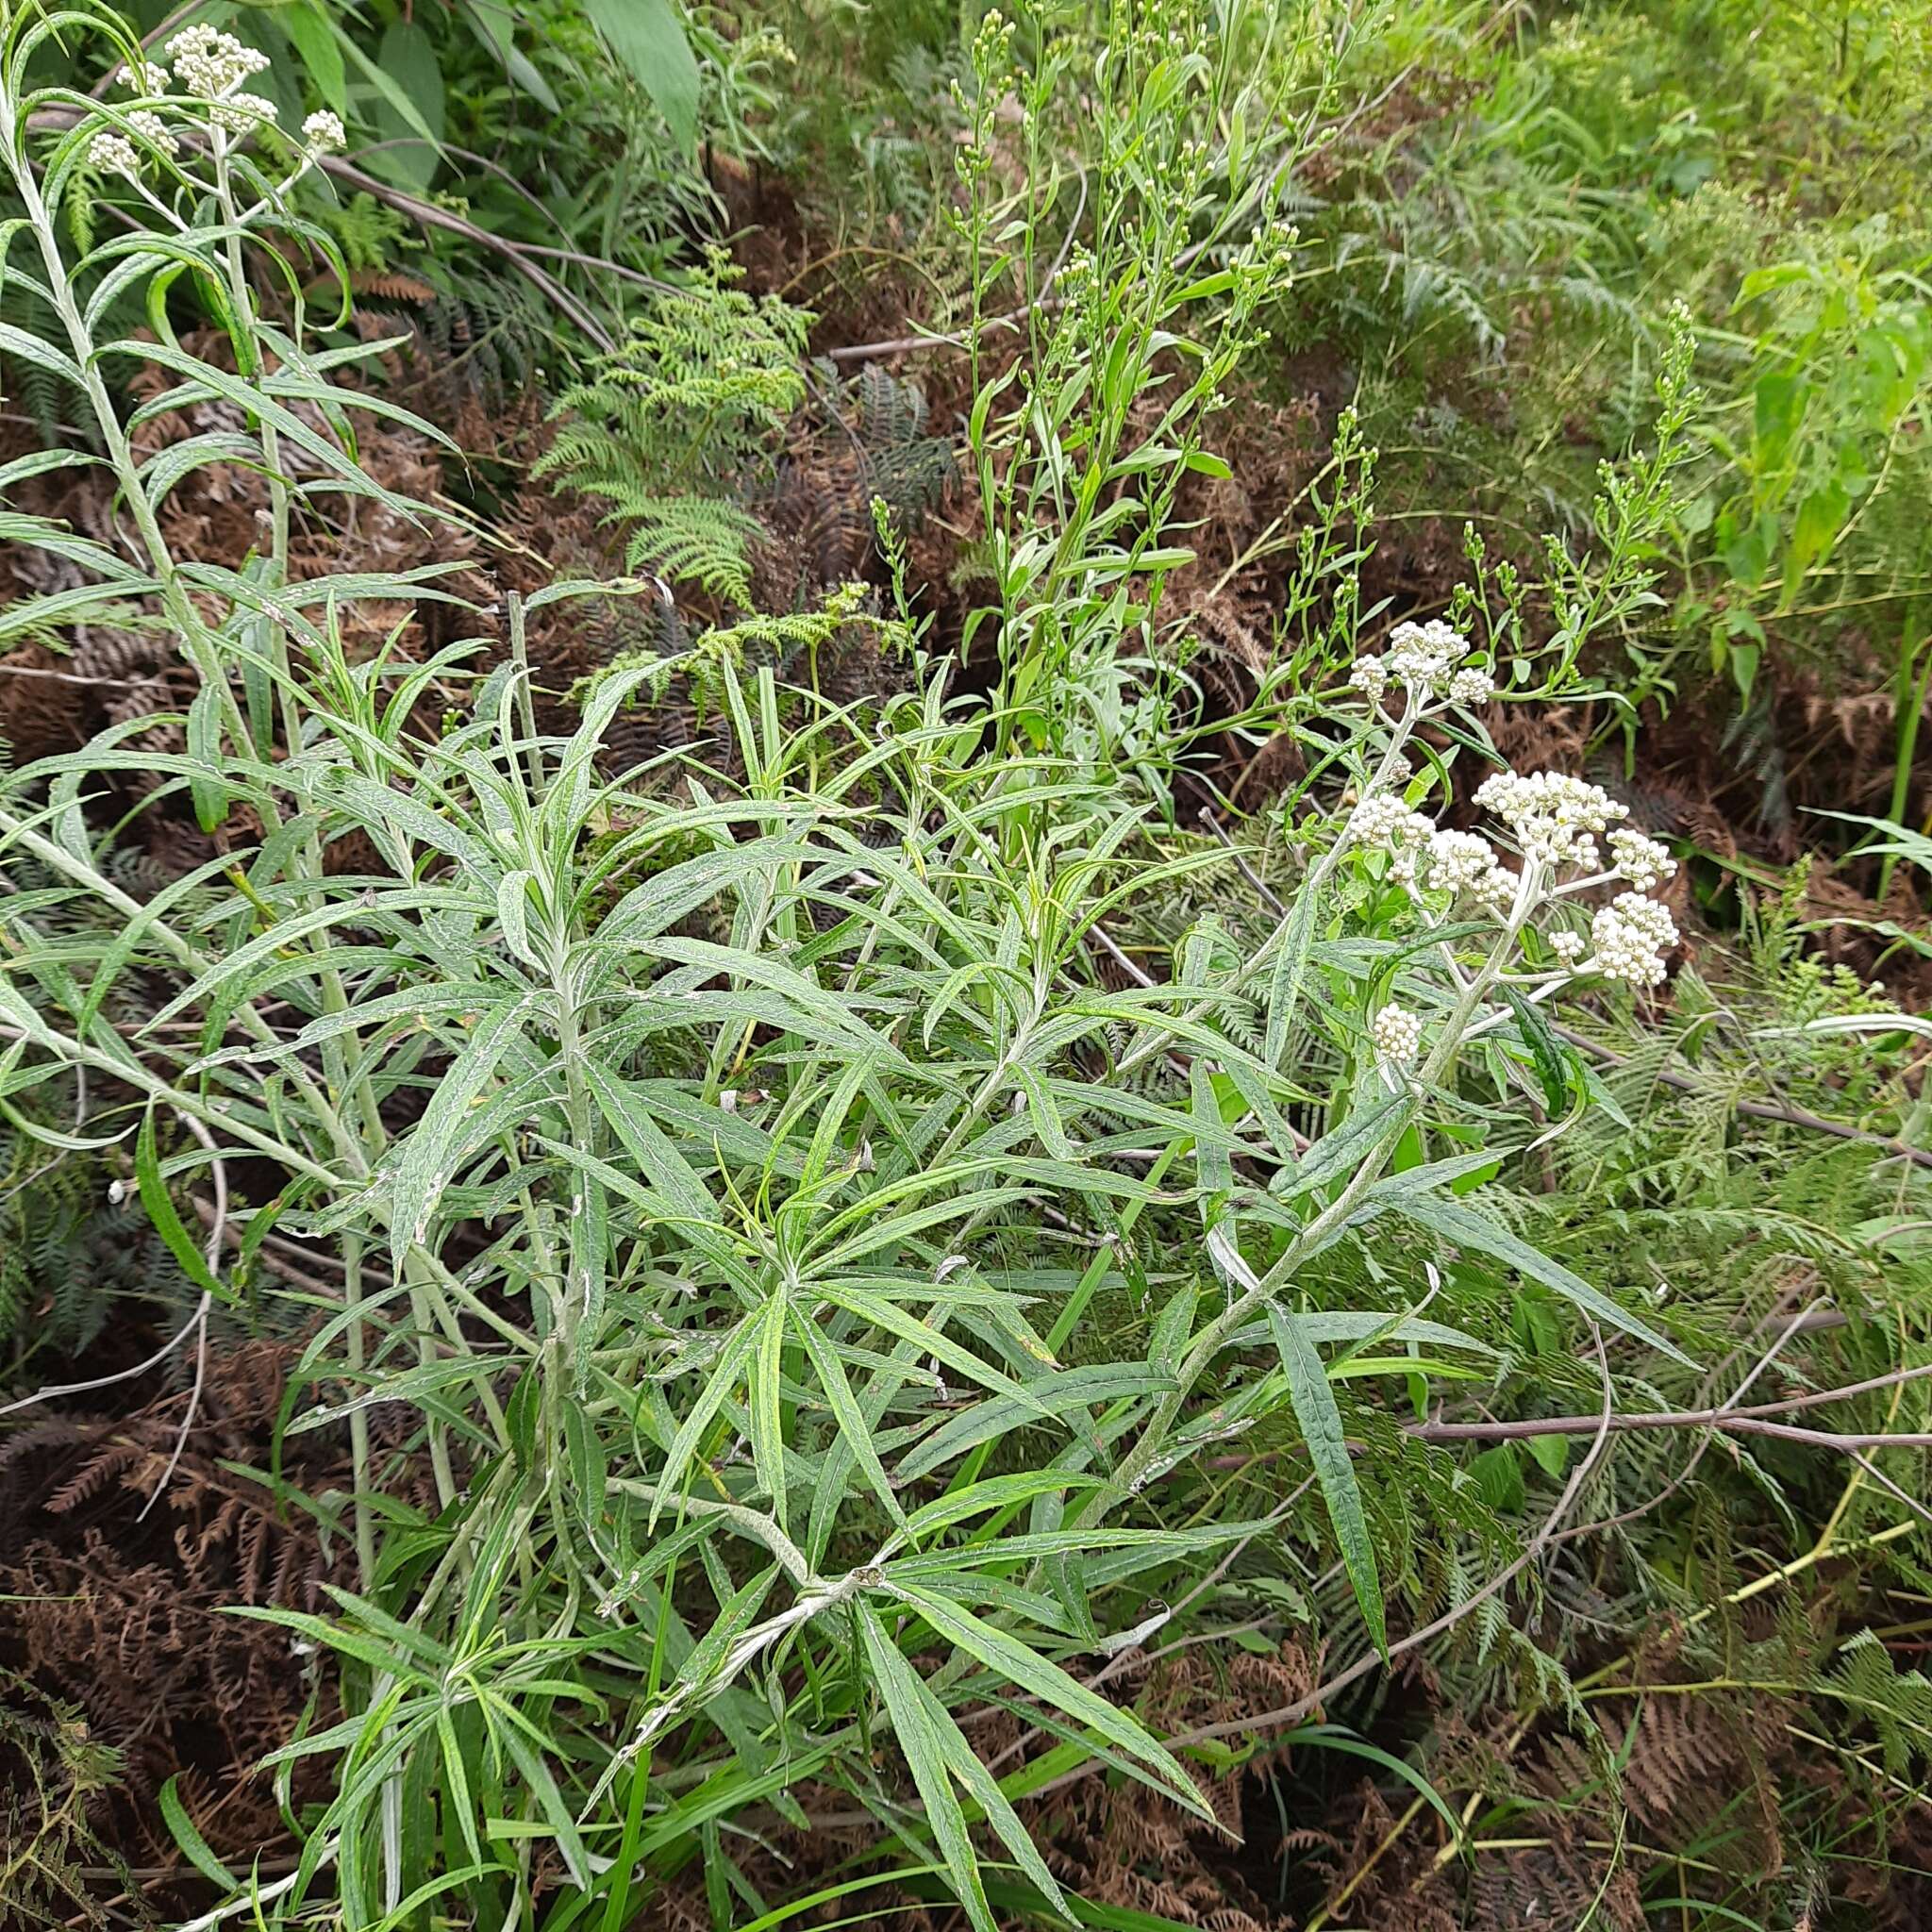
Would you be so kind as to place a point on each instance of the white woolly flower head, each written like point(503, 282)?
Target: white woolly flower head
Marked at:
point(145, 78)
point(1467, 862)
point(242, 114)
point(1644, 861)
point(114, 154)
point(1632, 936)
point(156, 131)
point(1552, 815)
point(322, 132)
point(213, 64)
point(1423, 658)
point(1396, 1034)
point(1567, 945)
point(1425, 655)
point(1381, 822)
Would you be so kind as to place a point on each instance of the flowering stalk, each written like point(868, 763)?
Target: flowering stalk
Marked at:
point(200, 108)
point(1552, 822)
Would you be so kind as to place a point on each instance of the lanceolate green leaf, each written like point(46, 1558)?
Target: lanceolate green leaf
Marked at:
point(1315, 1409)
point(853, 1426)
point(915, 1723)
point(1459, 1222)
point(429, 1160)
point(719, 1379)
point(1013, 1660)
point(1291, 965)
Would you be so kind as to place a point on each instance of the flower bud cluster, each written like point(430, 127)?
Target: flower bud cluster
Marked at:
point(1467, 862)
point(240, 114)
point(322, 132)
point(1632, 935)
point(1422, 854)
point(1552, 816)
point(213, 64)
point(1426, 659)
point(1644, 861)
point(114, 154)
point(1384, 823)
point(1553, 820)
point(210, 67)
point(1396, 1034)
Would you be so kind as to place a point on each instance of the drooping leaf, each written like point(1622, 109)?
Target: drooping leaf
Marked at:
point(1315, 1409)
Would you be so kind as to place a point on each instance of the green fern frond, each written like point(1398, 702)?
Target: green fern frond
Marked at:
point(690, 540)
point(672, 427)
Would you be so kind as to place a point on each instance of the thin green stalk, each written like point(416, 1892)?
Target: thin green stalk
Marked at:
point(1914, 693)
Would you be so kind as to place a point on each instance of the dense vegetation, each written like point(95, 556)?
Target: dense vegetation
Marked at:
point(977, 982)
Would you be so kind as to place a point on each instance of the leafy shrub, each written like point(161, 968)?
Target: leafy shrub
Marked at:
point(808, 1270)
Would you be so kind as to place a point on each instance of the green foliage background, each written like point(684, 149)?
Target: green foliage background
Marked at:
point(840, 1234)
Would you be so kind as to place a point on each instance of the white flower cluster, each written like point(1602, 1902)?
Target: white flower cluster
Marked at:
point(1447, 862)
point(1554, 820)
point(1425, 654)
point(1396, 1033)
point(1425, 660)
point(321, 133)
point(157, 131)
point(1552, 816)
point(242, 114)
point(114, 154)
point(213, 64)
point(1632, 935)
point(1466, 862)
point(1383, 821)
point(1644, 861)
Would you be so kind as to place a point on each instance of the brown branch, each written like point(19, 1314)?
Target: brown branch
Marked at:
point(427, 214)
point(1675, 1419)
point(1756, 1420)
point(1756, 1110)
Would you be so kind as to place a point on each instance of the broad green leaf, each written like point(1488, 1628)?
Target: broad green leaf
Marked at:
point(410, 111)
point(766, 1407)
point(1345, 1147)
point(314, 36)
point(1297, 933)
point(649, 38)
